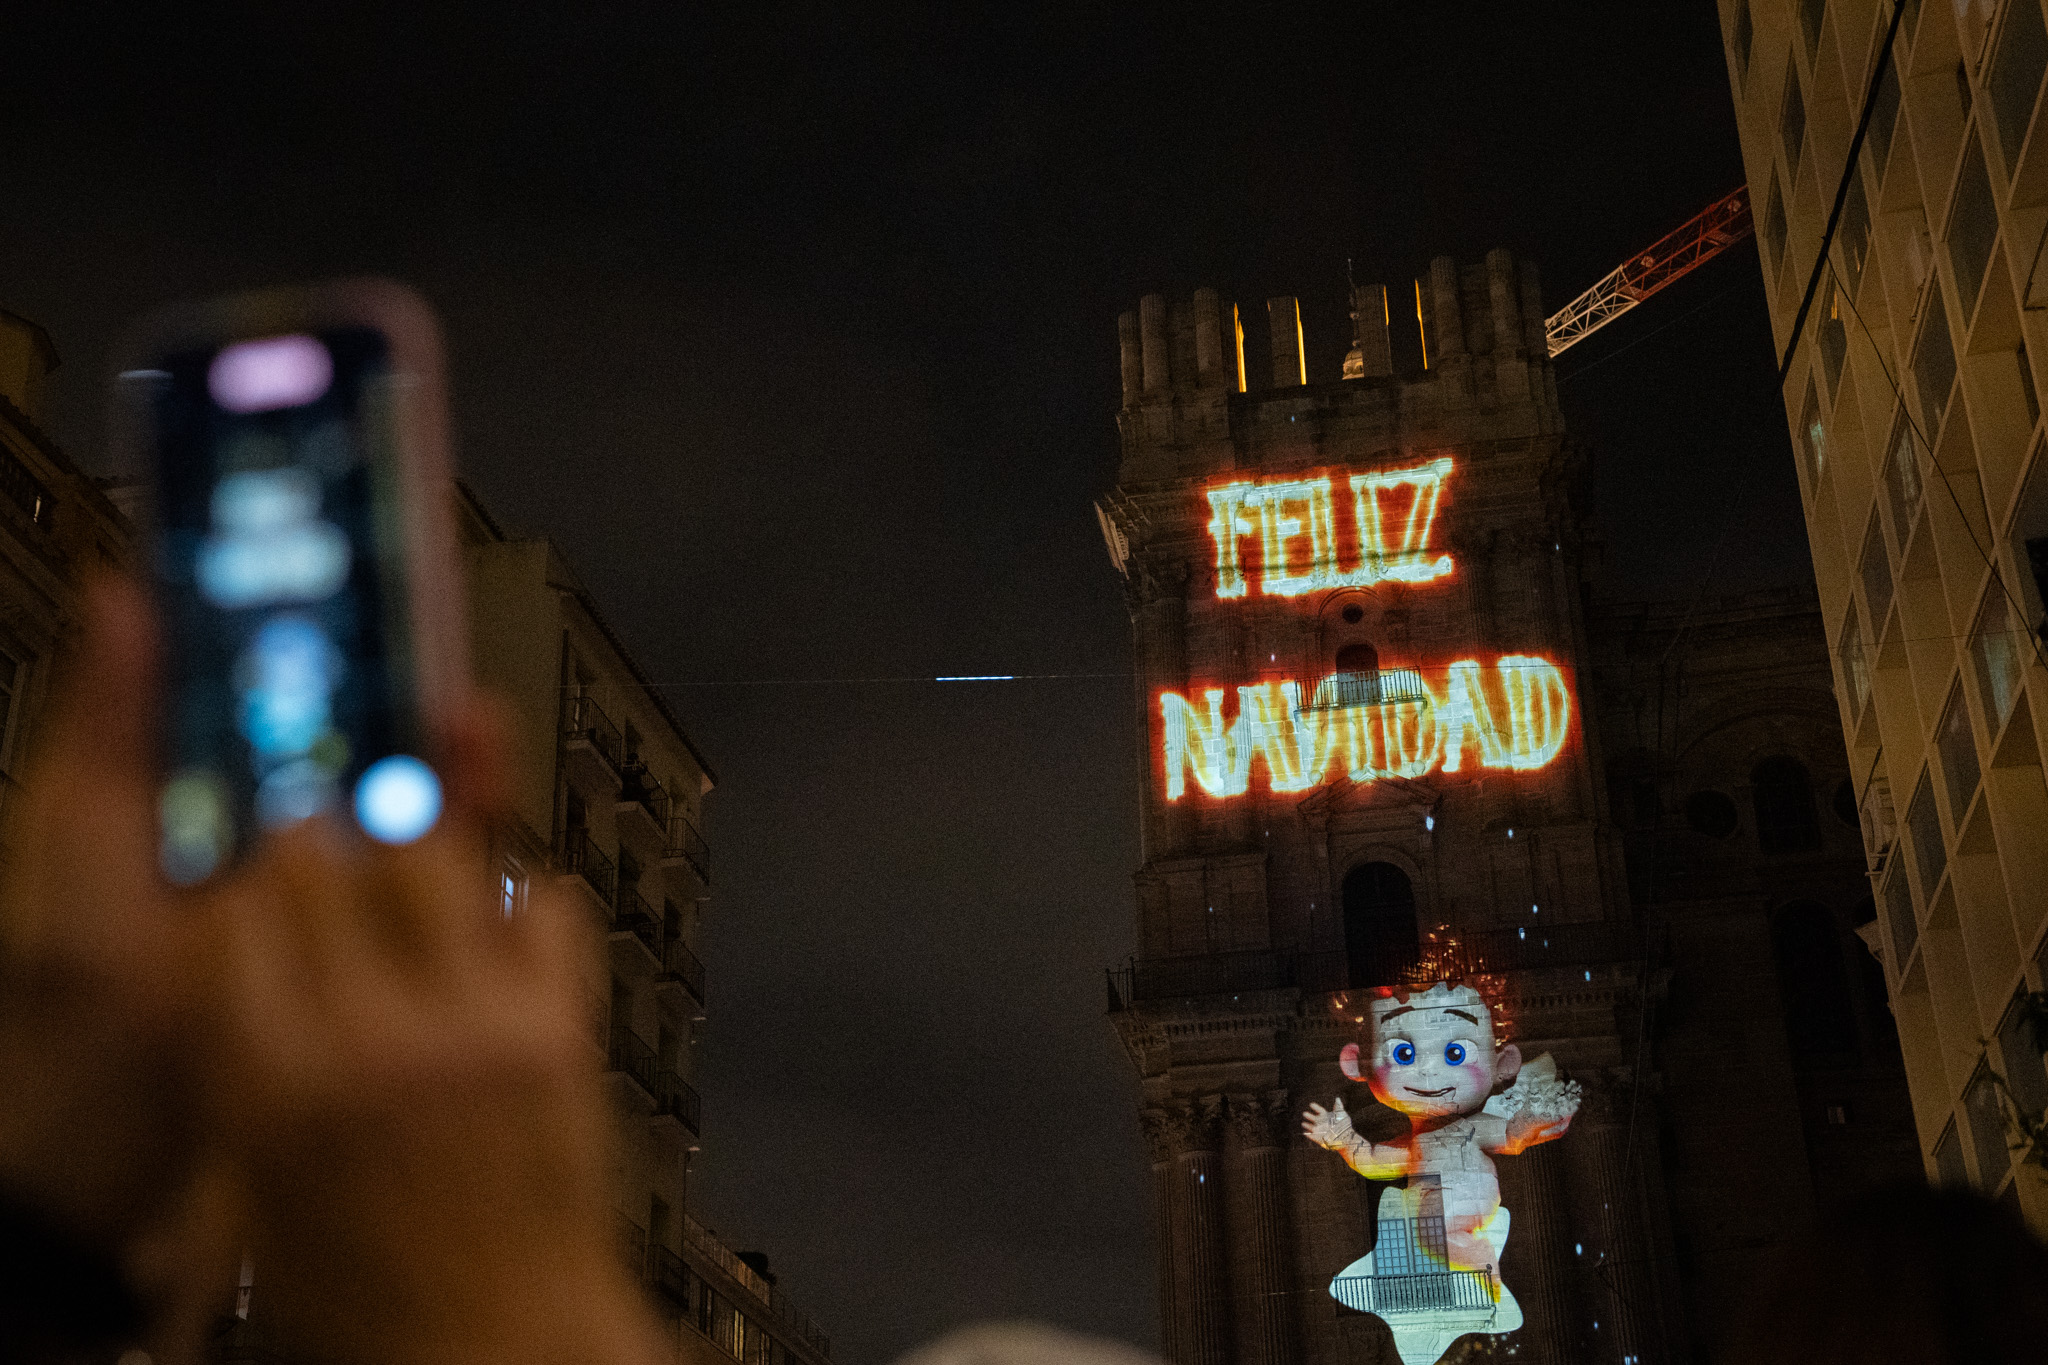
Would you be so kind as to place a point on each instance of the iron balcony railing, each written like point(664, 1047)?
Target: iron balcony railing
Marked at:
point(630, 1055)
point(587, 722)
point(678, 963)
point(1427, 1292)
point(1525, 948)
point(666, 1273)
point(706, 1244)
point(675, 1097)
point(583, 858)
point(636, 783)
point(686, 843)
point(633, 915)
point(1369, 687)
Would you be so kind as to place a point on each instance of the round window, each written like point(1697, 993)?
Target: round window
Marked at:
point(1711, 813)
point(1352, 613)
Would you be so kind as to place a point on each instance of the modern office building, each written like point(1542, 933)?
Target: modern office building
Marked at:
point(1908, 302)
point(1386, 737)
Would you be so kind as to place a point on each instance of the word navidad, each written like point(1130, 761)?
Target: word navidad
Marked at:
point(1299, 746)
point(1392, 514)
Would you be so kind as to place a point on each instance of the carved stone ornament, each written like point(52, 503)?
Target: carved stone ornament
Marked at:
point(1259, 1120)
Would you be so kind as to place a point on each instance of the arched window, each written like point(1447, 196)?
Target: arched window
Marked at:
point(1358, 657)
point(1380, 939)
point(1820, 1013)
point(1785, 818)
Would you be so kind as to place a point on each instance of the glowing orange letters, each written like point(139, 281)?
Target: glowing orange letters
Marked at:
point(1517, 719)
point(1295, 523)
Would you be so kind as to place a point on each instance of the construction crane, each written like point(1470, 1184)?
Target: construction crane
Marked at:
point(1724, 223)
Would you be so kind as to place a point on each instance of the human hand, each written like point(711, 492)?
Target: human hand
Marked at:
point(406, 1087)
point(1327, 1127)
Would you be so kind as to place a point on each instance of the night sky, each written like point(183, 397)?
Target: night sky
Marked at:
point(796, 327)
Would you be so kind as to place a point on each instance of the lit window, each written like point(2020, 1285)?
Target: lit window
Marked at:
point(1813, 434)
point(1902, 486)
point(1855, 668)
point(511, 888)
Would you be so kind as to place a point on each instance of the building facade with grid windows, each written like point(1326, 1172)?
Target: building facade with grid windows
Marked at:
point(1905, 282)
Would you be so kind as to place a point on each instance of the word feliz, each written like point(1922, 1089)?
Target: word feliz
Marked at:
point(1299, 746)
point(1392, 514)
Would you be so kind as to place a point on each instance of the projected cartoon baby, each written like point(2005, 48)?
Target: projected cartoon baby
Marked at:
point(1433, 1056)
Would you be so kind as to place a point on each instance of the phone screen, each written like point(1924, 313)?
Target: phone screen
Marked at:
point(280, 573)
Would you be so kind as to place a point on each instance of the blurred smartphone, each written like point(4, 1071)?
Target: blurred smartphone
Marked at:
point(302, 563)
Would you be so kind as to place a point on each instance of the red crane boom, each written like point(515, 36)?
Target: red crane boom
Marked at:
point(1723, 223)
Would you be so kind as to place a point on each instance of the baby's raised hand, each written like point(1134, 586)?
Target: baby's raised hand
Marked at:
point(1327, 1127)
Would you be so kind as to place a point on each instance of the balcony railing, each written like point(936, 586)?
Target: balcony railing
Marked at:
point(632, 915)
point(673, 1096)
point(666, 1273)
point(678, 963)
point(1525, 948)
point(705, 1242)
point(1432, 1291)
point(587, 722)
point(631, 1056)
point(639, 785)
point(686, 843)
point(583, 858)
point(1368, 687)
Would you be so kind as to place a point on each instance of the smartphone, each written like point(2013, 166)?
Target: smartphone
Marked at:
point(301, 559)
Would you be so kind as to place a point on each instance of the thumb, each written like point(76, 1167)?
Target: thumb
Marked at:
point(1337, 1105)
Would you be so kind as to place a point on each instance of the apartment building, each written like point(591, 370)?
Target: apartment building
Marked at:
point(1905, 287)
point(607, 798)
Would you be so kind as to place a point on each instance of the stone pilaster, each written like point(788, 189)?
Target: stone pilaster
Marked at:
point(1261, 1239)
point(1199, 1270)
point(1159, 1142)
point(1539, 1264)
point(1604, 1171)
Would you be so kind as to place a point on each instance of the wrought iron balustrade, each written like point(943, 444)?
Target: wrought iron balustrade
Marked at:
point(633, 915)
point(686, 843)
point(665, 1271)
point(1427, 1292)
point(630, 1055)
point(582, 857)
point(1368, 687)
point(675, 1096)
point(1534, 947)
point(587, 722)
point(680, 964)
point(639, 785)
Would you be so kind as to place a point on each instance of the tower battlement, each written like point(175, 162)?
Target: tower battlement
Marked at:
point(1470, 343)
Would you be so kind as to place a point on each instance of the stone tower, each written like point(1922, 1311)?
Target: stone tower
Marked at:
point(1359, 631)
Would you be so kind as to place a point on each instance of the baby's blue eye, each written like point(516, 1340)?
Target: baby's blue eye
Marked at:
point(1454, 1053)
point(1404, 1054)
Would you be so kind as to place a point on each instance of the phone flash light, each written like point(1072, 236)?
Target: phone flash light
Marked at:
point(398, 799)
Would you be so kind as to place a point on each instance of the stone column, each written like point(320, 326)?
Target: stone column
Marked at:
point(1201, 1290)
point(1261, 1242)
point(1613, 1223)
point(1539, 1265)
point(1158, 1126)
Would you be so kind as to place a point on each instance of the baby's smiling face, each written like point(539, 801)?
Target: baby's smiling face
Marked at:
point(1433, 1055)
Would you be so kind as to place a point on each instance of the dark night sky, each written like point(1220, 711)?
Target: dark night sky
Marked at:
point(795, 325)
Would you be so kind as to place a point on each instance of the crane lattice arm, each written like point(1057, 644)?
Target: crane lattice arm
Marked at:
point(1722, 225)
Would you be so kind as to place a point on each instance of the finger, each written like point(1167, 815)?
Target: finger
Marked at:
point(550, 946)
point(106, 720)
point(474, 758)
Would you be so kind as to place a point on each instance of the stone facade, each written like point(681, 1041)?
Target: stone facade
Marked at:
point(1270, 892)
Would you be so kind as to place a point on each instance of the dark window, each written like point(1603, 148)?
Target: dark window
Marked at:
point(1898, 910)
point(1813, 435)
point(1958, 745)
point(10, 688)
point(1884, 118)
point(1844, 804)
point(2019, 1040)
point(1810, 15)
point(1820, 1012)
point(1972, 227)
point(1934, 363)
point(1963, 95)
point(1854, 236)
point(1792, 121)
point(1877, 576)
point(1902, 486)
point(2037, 565)
point(2028, 393)
point(1358, 658)
point(1948, 1160)
point(1352, 613)
point(1774, 225)
point(1987, 1131)
point(2015, 80)
point(1930, 854)
point(1855, 667)
point(1711, 813)
point(1834, 334)
point(1643, 796)
point(1745, 33)
point(1783, 801)
point(1380, 938)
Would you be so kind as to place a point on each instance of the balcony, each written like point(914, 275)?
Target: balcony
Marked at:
point(676, 1100)
point(581, 857)
point(680, 968)
point(1534, 947)
point(1371, 687)
point(634, 922)
point(630, 1058)
point(1432, 1291)
point(667, 1275)
point(594, 747)
point(686, 848)
point(643, 803)
point(706, 1244)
